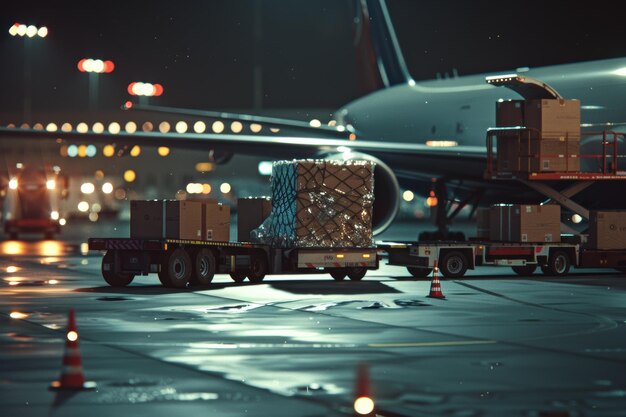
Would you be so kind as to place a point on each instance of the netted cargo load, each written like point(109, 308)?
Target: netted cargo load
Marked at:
point(319, 203)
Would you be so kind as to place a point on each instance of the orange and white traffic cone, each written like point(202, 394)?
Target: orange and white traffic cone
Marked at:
point(72, 370)
point(435, 285)
point(363, 401)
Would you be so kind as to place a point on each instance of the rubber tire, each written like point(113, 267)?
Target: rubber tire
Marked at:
point(419, 272)
point(453, 264)
point(356, 274)
point(176, 268)
point(558, 264)
point(338, 274)
point(204, 266)
point(121, 279)
point(258, 267)
point(238, 276)
point(524, 271)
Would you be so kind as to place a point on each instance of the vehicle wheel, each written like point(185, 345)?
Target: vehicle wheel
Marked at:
point(203, 267)
point(338, 274)
point(238, 276)
point(525, 270)
point(453, 264)
point(175, 268)
point(120, 279)
point(558, 264)
point(419, 272)
point(356, 274)
point(258, 267)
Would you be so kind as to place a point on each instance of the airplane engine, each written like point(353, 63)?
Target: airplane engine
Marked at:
point(386, 190)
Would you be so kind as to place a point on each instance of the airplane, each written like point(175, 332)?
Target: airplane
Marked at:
point(401, 124)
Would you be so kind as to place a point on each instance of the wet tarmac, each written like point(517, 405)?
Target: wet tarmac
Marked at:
point(498, 345)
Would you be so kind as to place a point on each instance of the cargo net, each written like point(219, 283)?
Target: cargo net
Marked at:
point(318, 203)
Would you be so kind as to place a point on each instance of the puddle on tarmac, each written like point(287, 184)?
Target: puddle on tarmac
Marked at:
point(114, 299)
point(135, 383)
point(19, 337)
point(422, 399)
point(233, 308)
point(316, 389)
point(488, 364)
point(618, 393)
point(370, 305)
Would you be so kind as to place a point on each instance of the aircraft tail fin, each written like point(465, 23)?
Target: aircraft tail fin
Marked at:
point(378, 51)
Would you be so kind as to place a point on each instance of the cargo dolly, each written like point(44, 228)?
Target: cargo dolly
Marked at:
point(182, 262)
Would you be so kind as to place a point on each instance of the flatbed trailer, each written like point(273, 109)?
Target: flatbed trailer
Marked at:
point(182, 262)
point(455, 258)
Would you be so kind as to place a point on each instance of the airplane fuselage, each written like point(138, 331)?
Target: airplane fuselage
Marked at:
point(461, 109)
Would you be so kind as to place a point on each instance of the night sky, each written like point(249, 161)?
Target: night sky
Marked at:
point(204, 52)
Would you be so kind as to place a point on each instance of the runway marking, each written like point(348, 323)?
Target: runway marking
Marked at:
point(426, 344)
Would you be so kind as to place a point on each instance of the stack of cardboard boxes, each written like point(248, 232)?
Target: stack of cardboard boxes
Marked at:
point(520, 223)
point(174, 219)
point(552, 142)
point(607, 230)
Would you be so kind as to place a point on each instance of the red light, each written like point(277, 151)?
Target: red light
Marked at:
point(109, 66)
point(158, 89)
point(130, 89)
point(80, 66)
point(128, 105)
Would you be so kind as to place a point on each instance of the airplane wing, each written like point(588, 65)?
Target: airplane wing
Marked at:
point(408, 160)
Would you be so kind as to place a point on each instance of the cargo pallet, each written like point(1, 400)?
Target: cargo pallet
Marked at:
point(182, 262)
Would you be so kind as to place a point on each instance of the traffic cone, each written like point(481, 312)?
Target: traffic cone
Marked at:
point(72, 370)
point(363, 401)
point(435, 285)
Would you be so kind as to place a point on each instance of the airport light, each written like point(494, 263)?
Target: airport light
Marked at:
point(408, 195)
point(225, 188)
point(199, 126)
point(87, 188)
point(95, 65)
point(51, 184)
point(145, 89)
point(163, 151)
point(620, 71)
point(130, 175)
point(20, 29)
point(13, 183)
point(54, 215)
point(107, 188)
point(363, 405)
point(108, 151)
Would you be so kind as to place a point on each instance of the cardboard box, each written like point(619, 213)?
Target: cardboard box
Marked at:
point(216, 224)
point(482, 223)
point(215, 220)
point(510, 113)
point(553, 117)
point(251, 212)
point(607, 229)
point(525, 223)
point(170, 219)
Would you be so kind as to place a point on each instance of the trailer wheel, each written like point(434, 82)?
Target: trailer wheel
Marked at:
point(356, 274)
point(338, 274)
point(258, 267)
point(525, 270)
point(558, 264)
point(203, 267)
point(238, 276)
point(453, 264)
point(418, 272)
point(119, 279)
point(175, 268)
